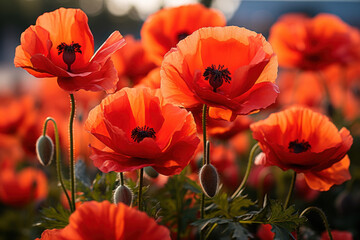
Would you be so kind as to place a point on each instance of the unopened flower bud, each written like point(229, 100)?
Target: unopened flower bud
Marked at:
point(209, 180)
point(45, 150)
point(151, 172)
point(123, 194)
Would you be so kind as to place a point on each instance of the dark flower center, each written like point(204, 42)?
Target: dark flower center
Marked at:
point(139, 133)
point(68, 52)
point(182, 35)
point(298, 147)
point(217, 76)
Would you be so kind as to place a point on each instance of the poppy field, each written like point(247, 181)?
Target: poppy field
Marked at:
point(196, 129)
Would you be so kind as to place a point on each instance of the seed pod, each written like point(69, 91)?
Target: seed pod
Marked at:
point(45, 150)
point(209, 180)
point(151, 172)
point(123, 194)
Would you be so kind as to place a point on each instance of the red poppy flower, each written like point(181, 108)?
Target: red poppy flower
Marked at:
point(61, 45)
point(94, 220)
point(337, 235)
point(164, 29)
point(306, 142)
point(20, 188)
point(139, 130)
point(230, 69)
point(131, 62)
point(313, 43)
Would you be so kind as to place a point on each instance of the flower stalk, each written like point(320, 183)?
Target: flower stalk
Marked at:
point(58, 165)
point(323, 217)
point(141, 178)
point(291, 189)
point(72, 162)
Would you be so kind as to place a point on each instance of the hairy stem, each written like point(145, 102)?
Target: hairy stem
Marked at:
point(323, 217)
point(141, 178)
point(291, 189)
point(247, 173)
point(58, 165)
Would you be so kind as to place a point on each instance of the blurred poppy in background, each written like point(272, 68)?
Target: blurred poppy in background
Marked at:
point(165, 28)
point(313, 43)
point(19, 188)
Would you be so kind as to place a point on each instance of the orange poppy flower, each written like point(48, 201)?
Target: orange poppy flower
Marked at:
point(230, 69)
point(61, 45)
point(139, 130)
point(151, 80)
point(94, 220)
point(20, 188)
point(344, 89)
point(131, 62)
point(164, 29)
point(313, 43)
point(306, 142)
point(301, 88)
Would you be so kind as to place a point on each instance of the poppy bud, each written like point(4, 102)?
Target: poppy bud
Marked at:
point(45, 150)
point(123, 194)
point(151, 172)
point(209, 180)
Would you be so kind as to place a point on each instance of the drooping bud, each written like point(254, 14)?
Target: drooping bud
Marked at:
point(123, 194)
point(151, 172)
point(209, 180)
point(45, 150)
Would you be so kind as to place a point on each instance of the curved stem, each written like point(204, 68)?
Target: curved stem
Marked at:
point(58, 165)
point(247, 173)
point(322, 215)
point(207, 153)
point(72, 169)
point(291, 189)
point(141, 177)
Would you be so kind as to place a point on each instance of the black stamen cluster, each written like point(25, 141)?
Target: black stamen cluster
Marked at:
point(298, 147)
point(217, 76)
point(139, 133)
point(72, 48)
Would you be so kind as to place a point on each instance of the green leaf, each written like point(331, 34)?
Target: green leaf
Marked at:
point(57, 217)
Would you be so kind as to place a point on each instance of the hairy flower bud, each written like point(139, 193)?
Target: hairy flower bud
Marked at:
point(123, 194)
point(151, 172)
point(209, 180)
point(45, 150)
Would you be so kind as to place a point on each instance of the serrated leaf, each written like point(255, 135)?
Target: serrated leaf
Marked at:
point(281, 233)
point(54, 217)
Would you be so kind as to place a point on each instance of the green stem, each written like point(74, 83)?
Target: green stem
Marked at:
point(58, 165)
point(322, 215)
point(121, 176)
point(291, 189)
point(204, 114)
point(202, 198)
point(72, 163)
point(247, 173)
point(207, 153)
point(141, 178)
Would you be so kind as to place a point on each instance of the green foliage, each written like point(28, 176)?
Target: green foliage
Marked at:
point(283, 221)
point(57, 217)
point(177, 202)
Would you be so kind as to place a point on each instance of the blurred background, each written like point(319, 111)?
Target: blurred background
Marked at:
point(127, 16)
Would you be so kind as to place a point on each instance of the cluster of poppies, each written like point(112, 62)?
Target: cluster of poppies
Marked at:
point(189, 75)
